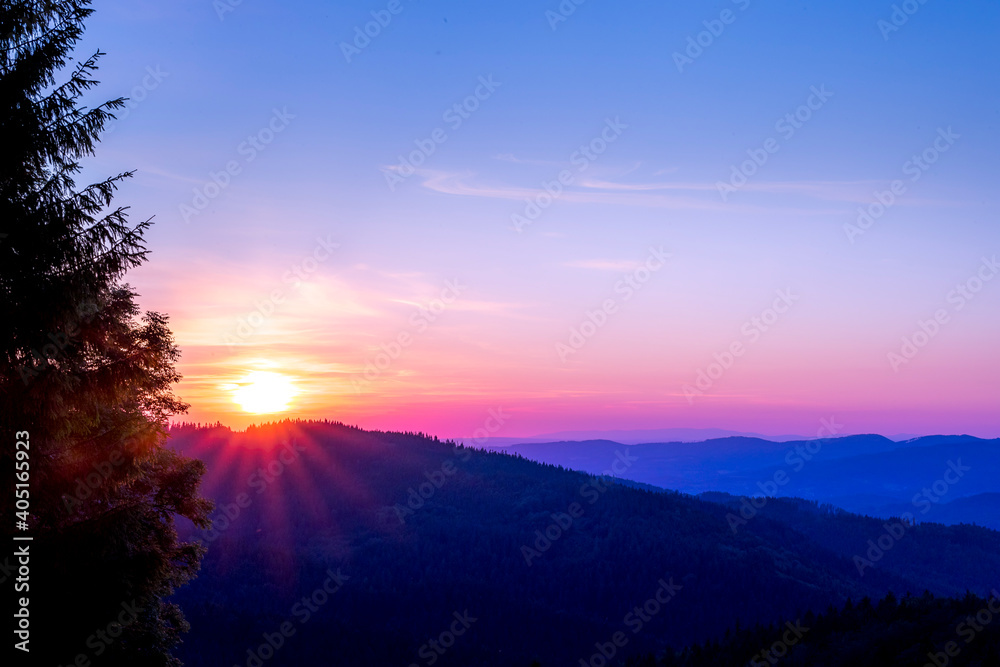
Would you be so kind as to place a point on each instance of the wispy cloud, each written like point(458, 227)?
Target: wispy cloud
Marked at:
point(510, 157)
point(702, 196)
point(603, 264)
point(846, 191)
point(676, 195)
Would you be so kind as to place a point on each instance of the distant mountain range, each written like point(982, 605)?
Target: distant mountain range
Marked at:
point(868, 474)
point(640, 436)
point(637, 436)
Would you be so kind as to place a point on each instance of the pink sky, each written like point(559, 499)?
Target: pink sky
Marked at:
point(543, 191)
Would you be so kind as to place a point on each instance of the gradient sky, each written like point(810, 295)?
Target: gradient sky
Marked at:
point(557, 84)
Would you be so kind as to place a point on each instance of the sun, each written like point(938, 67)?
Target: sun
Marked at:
point(263, 392)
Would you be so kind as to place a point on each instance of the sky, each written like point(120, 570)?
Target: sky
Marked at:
point(515, 218)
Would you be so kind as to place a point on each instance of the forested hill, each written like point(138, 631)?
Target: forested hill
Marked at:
point(891, 632)
point(414, 539)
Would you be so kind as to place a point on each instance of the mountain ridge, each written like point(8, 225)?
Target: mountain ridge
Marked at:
point(414, 523)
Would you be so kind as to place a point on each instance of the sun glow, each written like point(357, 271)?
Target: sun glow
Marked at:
point(263, 392)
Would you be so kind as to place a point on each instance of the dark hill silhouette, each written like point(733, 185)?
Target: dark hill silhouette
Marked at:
point(891, 632)
point(302, 504)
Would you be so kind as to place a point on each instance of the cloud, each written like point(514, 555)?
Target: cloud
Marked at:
point(681, 196)
point(461, 183)
point(603, 264)
point(594, 184)
point(850, 191)
point(510, 157)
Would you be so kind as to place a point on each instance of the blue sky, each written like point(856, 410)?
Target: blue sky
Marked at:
point(224, 73)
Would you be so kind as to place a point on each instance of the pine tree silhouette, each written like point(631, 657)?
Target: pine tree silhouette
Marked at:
point(85, 376)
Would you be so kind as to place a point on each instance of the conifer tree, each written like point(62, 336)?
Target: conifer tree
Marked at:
point(85, 376)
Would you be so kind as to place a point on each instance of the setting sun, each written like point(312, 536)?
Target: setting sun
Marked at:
point(262, 392)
